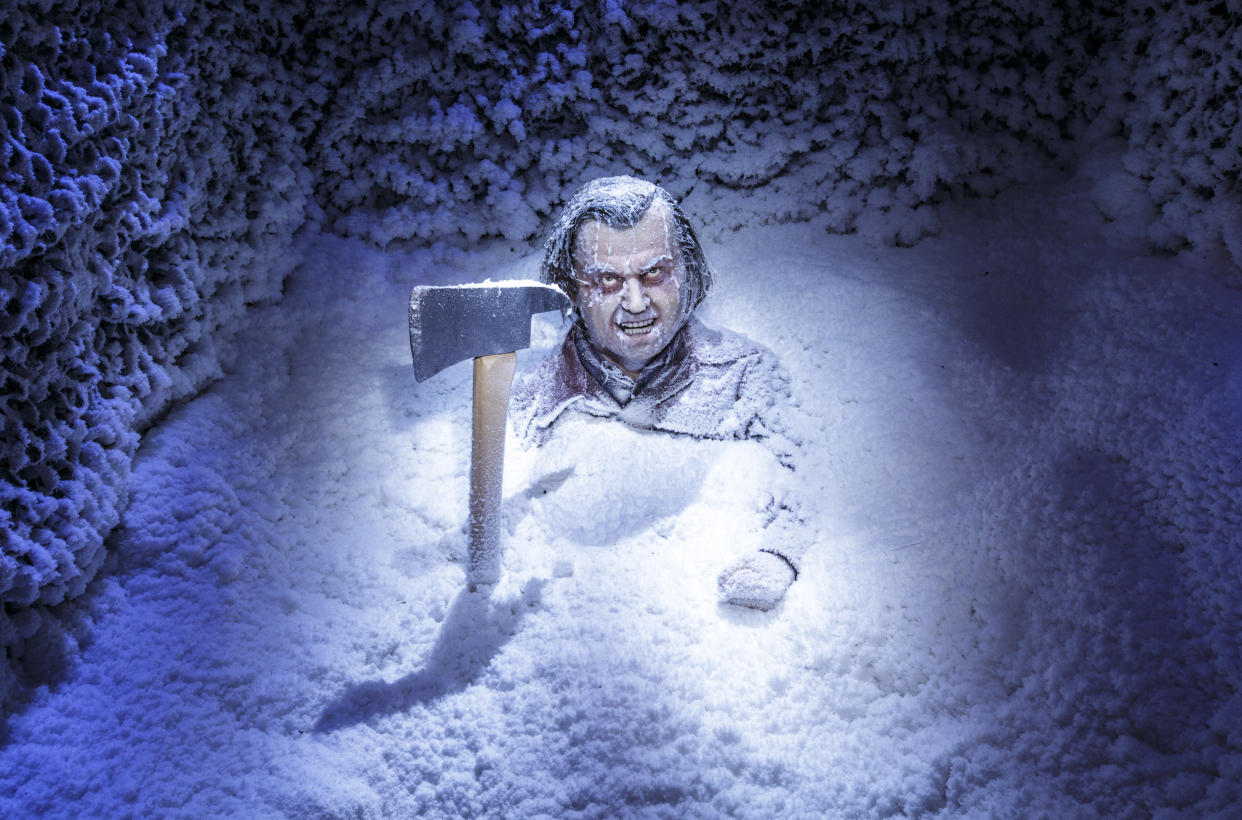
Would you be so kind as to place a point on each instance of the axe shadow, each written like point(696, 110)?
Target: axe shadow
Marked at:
point(473, 631)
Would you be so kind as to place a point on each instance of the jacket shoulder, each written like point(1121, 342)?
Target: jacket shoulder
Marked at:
point(720, 347)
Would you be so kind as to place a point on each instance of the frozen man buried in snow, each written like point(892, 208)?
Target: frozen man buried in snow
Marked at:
point(631, 264)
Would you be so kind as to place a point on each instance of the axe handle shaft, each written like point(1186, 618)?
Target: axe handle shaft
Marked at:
point(493, 377)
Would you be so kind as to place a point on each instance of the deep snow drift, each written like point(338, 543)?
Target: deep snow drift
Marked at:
point(157, 158)
point(1022, 472)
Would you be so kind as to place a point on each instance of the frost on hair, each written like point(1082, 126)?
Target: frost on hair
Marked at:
point(620, 202)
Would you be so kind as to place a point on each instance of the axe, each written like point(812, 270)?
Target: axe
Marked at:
point(487, 322)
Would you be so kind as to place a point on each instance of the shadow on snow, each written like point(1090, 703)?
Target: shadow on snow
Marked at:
point(472, 633)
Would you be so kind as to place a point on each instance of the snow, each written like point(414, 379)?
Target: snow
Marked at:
point(1021, 463)
point(134, 230)
point(1021, 466)
point(157, 162)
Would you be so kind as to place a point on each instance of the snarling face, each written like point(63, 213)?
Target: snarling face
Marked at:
point(629, 286)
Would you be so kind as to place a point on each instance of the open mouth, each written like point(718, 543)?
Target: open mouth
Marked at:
point(637, 328)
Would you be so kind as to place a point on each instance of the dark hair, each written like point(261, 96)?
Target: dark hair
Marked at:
point(620, 202)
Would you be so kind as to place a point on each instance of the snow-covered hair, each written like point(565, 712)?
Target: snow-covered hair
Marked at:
point(620, 202)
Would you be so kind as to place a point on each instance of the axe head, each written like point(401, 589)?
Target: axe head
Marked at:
point(457, 322)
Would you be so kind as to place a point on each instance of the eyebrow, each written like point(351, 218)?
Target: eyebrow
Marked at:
point(594, 269)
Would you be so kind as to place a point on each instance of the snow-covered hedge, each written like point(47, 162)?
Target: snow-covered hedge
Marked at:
point(1177, 72)
point(149, 185)
point(477, 120)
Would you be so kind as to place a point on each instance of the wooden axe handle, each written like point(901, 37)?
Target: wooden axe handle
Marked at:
point(493, 377)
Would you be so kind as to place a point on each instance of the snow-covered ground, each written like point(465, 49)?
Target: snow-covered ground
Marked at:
point(1022, 467)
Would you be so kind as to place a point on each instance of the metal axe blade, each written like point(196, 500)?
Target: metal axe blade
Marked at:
point(449, 324)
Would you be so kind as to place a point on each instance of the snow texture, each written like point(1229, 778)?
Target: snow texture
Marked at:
point(864, 113)
point(758, 580)
point(156, 159)
point(479, 120)
point(151, 185)
point(1023, 485)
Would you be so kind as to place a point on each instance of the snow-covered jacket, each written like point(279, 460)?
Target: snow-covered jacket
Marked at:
point(707, 383)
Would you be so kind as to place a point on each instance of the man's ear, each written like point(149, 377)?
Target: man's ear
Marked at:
point(571, 313)
point(567, 284)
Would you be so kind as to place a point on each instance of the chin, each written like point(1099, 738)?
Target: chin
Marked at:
point(636, 356)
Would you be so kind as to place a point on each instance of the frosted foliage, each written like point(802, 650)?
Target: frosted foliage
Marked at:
point(1175, 73)
point(479, 120)
point(148, 188)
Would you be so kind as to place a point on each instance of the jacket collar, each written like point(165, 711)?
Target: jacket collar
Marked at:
point(570, 383)
point(616, 381)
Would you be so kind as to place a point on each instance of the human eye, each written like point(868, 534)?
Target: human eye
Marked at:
point(608, 281)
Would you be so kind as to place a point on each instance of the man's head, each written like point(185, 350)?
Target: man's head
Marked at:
point(628, 258)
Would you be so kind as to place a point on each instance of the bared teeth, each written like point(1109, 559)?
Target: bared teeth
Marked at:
point(636, 327)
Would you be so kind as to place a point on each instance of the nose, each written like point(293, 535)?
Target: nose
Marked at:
point(632, 297)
